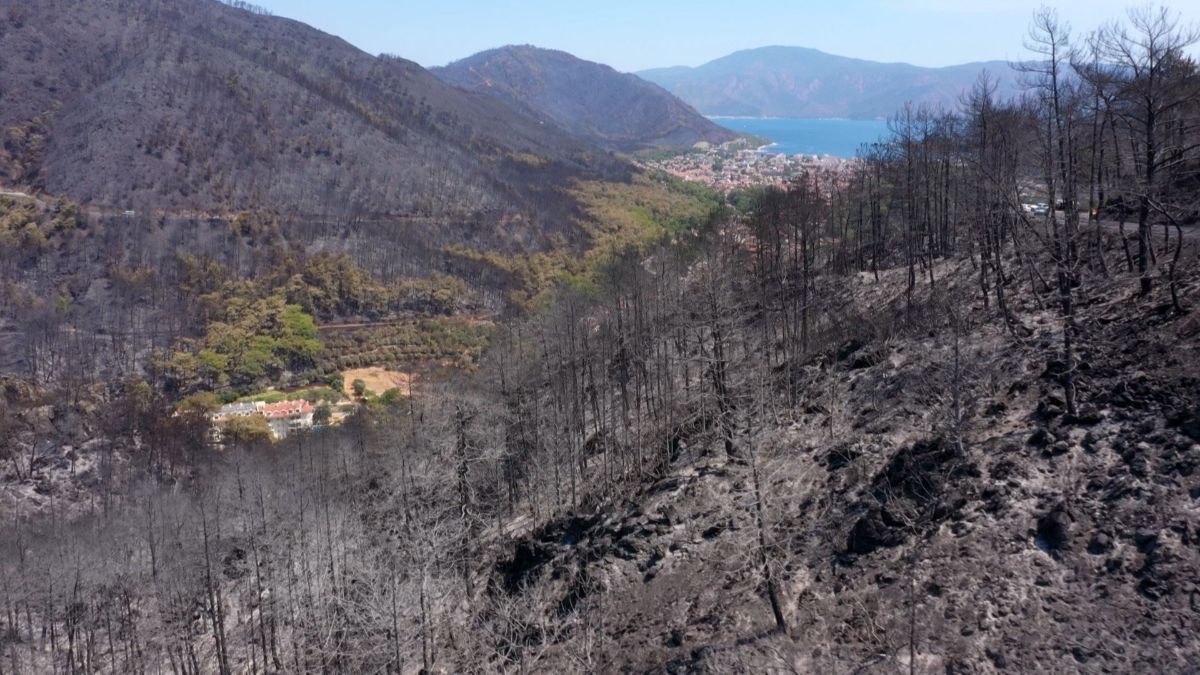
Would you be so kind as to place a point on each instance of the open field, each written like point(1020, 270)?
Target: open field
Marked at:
point(378, 380)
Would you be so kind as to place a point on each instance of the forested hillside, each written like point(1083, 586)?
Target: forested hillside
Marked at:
point(196, 105)
point(939, 412)
point(614, 110)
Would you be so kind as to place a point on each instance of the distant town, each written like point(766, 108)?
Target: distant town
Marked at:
point(739, 165)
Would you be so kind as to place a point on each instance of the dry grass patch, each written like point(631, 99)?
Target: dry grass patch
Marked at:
point(378, 380)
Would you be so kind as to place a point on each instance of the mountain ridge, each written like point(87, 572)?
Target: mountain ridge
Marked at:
point(617, 111)
point(814, 50)
point(292, 119)
point(801, 82)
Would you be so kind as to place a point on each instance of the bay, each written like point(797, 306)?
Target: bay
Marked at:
point(837, 138)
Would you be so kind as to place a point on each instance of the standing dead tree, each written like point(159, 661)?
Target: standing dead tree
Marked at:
point(1143, 69)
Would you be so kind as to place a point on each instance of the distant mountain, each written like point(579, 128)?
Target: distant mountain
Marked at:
point(196, 104)
point(806, 83)
point(614, 110)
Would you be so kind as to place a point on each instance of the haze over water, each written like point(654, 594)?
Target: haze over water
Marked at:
point(840, 138)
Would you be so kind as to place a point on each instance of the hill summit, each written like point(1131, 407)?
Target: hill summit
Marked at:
point(618, 111)
point(807, 83)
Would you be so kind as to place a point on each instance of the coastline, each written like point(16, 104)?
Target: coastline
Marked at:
point(838, 138)
point(797, 119)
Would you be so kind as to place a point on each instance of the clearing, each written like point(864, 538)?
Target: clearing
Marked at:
point(378, 380)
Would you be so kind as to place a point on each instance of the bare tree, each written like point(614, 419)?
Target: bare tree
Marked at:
point(1145, 71)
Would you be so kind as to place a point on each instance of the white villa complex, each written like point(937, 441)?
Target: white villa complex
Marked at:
point(283, 417)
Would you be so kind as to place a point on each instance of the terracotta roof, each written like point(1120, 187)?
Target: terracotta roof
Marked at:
point(286, 409)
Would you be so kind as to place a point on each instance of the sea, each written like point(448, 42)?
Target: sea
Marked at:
point(837, 138)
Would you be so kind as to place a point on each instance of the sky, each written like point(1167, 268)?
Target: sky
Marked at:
point(632, 35)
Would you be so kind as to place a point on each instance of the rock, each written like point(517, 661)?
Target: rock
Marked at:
point(1191, 427)
point(1048, 409)
point(1146, 540)
point(1040, 438)
point(1138, 464)
point(872, 532)
point(1150, 588)
point(714, 531)
point(1057, 449)
point(1054, 530)
point(1101, 543)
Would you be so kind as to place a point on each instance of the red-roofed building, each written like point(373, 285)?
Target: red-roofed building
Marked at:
point(287, 416)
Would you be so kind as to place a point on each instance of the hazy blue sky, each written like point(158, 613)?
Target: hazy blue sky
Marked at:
point(636, 34)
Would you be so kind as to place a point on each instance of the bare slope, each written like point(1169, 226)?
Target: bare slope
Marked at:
point(1044, 544)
